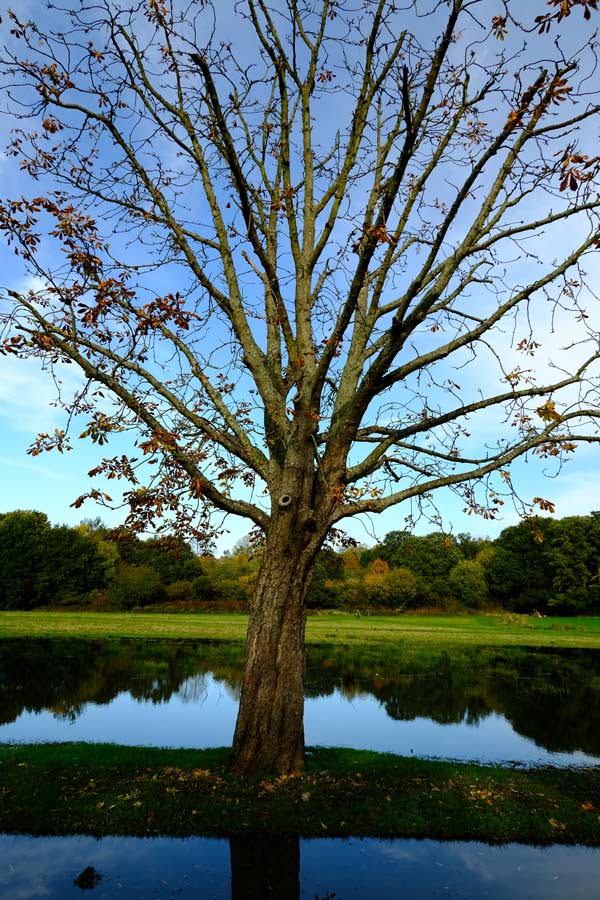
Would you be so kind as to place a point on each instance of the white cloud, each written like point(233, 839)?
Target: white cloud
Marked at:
point(27, 393)
point(576, 494)
point(34, 467)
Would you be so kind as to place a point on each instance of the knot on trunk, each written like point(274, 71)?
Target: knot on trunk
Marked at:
point(284, 501)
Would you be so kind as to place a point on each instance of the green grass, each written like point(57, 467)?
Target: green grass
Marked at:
point(323, 628)
point(106, 789)
point(226, 627)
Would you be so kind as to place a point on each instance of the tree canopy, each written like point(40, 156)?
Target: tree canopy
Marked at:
point(315, 255)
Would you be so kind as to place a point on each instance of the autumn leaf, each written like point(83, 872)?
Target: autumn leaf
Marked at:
point(499, 29)
point(547, 412)
point(267, 786)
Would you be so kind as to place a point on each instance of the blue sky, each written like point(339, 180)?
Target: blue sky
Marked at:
point(51, 482)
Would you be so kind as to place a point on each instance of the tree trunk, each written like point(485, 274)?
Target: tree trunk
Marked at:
point(269, 734)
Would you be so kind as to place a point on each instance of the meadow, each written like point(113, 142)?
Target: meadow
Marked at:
point(501, 629)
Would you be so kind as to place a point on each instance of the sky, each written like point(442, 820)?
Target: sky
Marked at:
point(51, 482)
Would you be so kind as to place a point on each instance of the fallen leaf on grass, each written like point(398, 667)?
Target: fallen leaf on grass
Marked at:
point(267, 786)
point(283, 779)
point(556, 824)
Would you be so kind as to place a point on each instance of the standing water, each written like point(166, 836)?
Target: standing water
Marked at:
point(59, 868)
point(526, 706)
point(487, 704)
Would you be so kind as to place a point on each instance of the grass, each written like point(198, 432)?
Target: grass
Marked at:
point(102, 789)
point(323, 628)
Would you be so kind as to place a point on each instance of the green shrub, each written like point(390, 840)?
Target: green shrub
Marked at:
point(180, 590)
point(467, 583)
point(203, 588)
point(136, 586)
point(396, 588)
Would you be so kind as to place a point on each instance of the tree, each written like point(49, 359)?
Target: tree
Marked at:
point(41, 563)
point(394, 587)
point(573, 557)
point(519, 576)
point(97, 531)
point(431, 556)
point(287, 231)
point(136, 585)
point(467, 582)
point(327, 586)
point(545, 563)
point(172, 559)
point(23, 535)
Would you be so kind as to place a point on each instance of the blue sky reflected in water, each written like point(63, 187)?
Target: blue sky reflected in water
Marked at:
point(364, 725)
point(201, 868)
point(202, 714)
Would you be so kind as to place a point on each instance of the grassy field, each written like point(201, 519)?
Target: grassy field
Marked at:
point(323, 628)
point(104, 789)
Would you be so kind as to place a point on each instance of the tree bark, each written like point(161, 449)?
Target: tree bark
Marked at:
point(269, 734)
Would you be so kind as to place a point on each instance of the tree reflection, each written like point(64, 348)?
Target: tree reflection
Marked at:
point(550, 696)
point(265, 866)
point(63, 675)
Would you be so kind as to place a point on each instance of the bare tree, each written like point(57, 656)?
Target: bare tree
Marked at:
point(289, 233)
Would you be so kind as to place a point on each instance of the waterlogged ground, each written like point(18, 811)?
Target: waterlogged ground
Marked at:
point(491, 704)
point(487, 704)
point(55, 868)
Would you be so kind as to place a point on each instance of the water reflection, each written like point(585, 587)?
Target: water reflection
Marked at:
point(264, 867)
point(289, 869)
point(483, 703)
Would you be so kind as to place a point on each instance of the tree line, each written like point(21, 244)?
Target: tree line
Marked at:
point(540, 565)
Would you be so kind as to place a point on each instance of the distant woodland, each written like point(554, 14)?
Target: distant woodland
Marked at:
point(543, 565)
